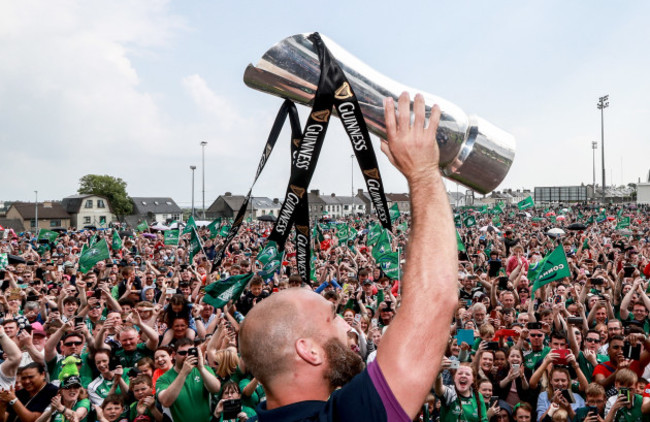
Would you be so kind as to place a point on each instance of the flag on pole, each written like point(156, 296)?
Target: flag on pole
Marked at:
point(459, 242)
point(470, 221)
point(498, 208)
point(142, 227)
point(458, 220)
point(394, 212)
point(623, 223)
point(48, 235)
point(191, 224)
point(373, 234)
point(602, 216)
point(92, 240)
point(214, 228)
point(382, 246)
point(93, 255)
point(526, 203)
point(484, 209)
point(496, 221)
point(343, 233)
point(224, 230)
point(553, 267)
point(219, 293)
point(195, 244)
point(116, 243)
point(171, 237)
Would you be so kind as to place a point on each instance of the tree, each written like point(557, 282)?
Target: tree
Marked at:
point(112, 188)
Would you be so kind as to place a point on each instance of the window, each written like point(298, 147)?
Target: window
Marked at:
point(86, 220)
point(55, 223)
point(176, 216)
point(168, 202)
point(100, 203)
point(155, 202)
point(89, 203)
point(32, 223)
point(144, 203)
point(102, 219)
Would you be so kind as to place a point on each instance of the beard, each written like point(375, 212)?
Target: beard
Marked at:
point(344, 364)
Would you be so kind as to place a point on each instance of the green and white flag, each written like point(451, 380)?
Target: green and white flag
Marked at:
point(4, 260)
point(498, 208)
point(623, 223)
point(403, 227)
point(382, 246)
point(496, 221)
point(343, 233)
point(195, 244)
point(219, 293)
point(92, 240)
point(214, 228)
point(553, 267)
point(171, 237)
point(373, 234)
point(553, 219)
point(484, 209)
point(458, 220)
point(271, 259)
point(394, 212)
point(470, 221)
point(389, 264)
point(224, 230)
point(116, 243)
point(93, 255)
point(459, 242)
point(48, 235)
point(142, 227)
point(191, 224)
point(526, 203)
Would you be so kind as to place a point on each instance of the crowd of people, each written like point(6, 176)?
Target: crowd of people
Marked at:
point(133, 339)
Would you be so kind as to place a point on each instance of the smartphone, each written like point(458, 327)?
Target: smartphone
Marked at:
point(626, 393)
point(493, 400)
point(575, 320)
point(568, 396)
point(492, 345)
point(563, 354)
point(231, 408)
point(493, 268)
point(78, 320)
point(631, 352)
point(503, 283)
point(628, 270)
point(170, 291)
point(193, 351)
point(592, 410)
point(597, 281)
point(357, 318)
point(534, 325)
point(515, 366)
point(455, 364)
point(557, 299)
point(113, 363)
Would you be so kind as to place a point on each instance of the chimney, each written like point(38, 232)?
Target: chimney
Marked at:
point(315, 192)
point(47, 204)
point(359, 191)
point(333, 194)
point(228, 194)
point(276, 201)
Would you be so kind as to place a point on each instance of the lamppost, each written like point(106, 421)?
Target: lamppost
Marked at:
point(603, 103)
point(594, 147)
point(192, 168)
point(36, 213)
point(203, 144)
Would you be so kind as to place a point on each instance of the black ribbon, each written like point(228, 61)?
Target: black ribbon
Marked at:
point(288, 109)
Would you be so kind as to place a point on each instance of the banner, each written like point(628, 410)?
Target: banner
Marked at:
point(191, 224)
point(116, 242)
point(49, 235)
point(93, 255)
point(526, 203)
point(171, 237)
point(142, 227)
point(623, 223)
point(389, 264)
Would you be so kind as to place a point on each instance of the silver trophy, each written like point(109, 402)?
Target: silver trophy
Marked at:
point(473, 152)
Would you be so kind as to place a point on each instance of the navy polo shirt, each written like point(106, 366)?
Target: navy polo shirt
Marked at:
point(366, 398)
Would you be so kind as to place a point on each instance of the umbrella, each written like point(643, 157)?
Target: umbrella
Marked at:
point(489, 228)
point(550, 213)
point(561, 217)
point(266, 217)
point(576, 226)
point(555, 232)
point(149, 236)
point(159, 226)
point(15, 259)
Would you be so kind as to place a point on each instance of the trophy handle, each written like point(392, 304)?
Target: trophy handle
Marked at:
point(473, 152)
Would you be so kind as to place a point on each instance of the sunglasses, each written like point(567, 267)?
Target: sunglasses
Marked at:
point(73, 343)
point(592, 340)
point(182, 352)
point(537, 335)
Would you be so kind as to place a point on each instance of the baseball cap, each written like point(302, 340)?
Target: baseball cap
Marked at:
point(71, 381)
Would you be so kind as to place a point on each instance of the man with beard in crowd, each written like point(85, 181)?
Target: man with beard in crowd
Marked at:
point(295, 344)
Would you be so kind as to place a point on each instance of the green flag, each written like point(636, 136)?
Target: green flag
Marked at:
point(623, 223)
point(92, 240)
point(537, 219)
point(394, 212)
point(142, 227)
point(48, 235)
point(373, 234)
point(553, 267)
point(195, 244)
point(470, 221)
point(590, 220)
point(219, 293)
point(553, 219)
point(224, 230)
point(343, 233)
point(4, 260)
point(403, 227)
point(498, 208)
point(602, 216)
point(214, 228)
point(190, 225)
point(171, 237)
point(389, 264)
point(271, 259)
point(526, 203)
point(484, 209)
point(93, 255)
point(459, 242)
point(382, 246)
point(318, 234)
point(458, 220)
point(496, 220)
point(116, 243)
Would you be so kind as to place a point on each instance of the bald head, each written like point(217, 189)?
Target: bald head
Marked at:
point(268, 335)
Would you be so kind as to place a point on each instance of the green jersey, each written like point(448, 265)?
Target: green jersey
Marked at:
point(633, 414)
point(533, 358)
point(129, 359)
point(458, 408)
point(84, 403)
point(193, 401)
point(587, 367)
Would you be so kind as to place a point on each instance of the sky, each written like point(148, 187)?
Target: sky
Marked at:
point(131, 88)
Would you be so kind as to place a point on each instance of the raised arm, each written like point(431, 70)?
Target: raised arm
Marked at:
point(409, 357)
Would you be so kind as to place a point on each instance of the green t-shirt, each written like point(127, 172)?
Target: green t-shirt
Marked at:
point(85, 372)
point(129, 359)
point(457, 408)
point(532, 358)
point(193, 401)
point(133, 412)
point(632, 414)
point(85, 403)
point(586, 367)
point(254, 399)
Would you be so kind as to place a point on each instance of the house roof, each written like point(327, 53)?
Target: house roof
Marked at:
point(73, 203)
point(398, 197)
point(154, 205)
point(11, 223)
point(27, 210)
